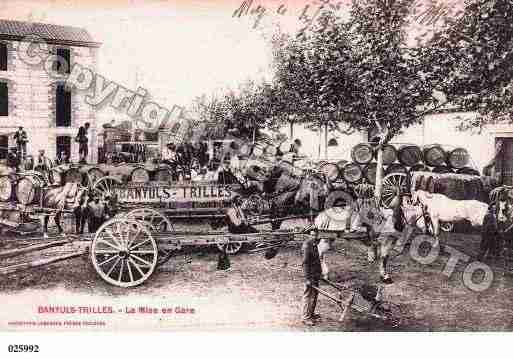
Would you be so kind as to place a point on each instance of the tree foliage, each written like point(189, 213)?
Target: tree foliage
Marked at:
point(475, 53)
point(358, 71)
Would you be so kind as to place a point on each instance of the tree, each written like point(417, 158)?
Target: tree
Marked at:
point(360, 71)
point(475, 51)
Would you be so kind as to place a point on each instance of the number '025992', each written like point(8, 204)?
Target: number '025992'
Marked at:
point(23, 348)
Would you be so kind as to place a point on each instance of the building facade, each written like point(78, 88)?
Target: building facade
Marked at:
point(33, 97)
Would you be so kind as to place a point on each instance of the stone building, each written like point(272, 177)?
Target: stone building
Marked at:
point(34, 98)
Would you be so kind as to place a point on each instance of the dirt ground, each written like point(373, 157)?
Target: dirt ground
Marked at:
point(259, 294)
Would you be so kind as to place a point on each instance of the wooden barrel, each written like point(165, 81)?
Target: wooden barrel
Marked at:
point(73, 175)
point(442, 169)
point(29, 190)
point(139, 175)
point(409, 155)
point(396, 168)
point(468, 171)
point(419, 167)
point(341, 164)
point(331, 171)
point(389, 154)
point(163, 174)
point(7, 187)
point(458, 158)
point(369, 172)
point(362, 153)
point(352, 172)
point(434, 155)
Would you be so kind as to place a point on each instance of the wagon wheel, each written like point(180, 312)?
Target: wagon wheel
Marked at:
point(93, 175)
point(230, 248)
point(156, 222)
point(390, 183)
point(124, 252)
point(73, 175)
point(105, 186)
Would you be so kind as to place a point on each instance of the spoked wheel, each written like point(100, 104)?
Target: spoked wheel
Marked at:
point(93, 175)
point(105, 186)
point(156, 222)
point(231, 248)
point(390, 183)
point(124, 252)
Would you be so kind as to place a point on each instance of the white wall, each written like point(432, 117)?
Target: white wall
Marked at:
point(440, 128)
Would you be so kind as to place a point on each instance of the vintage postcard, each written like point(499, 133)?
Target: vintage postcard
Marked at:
point(242, 165)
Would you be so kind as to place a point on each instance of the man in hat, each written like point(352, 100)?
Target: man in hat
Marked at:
point(43, 164)
point(83, 143)
point(312, 272)
point(21, 139)
point(293, 153)
point(224, 174)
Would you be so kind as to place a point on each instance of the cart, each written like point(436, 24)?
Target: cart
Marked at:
point(367, 301)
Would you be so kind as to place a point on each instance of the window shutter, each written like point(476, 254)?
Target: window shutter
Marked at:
point(3, 56)
point(4, 99)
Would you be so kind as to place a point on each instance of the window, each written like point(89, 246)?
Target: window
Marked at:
point(4, 99)
point(63, 145)
point(3, 56)
point(63, 107)
point(59, 66)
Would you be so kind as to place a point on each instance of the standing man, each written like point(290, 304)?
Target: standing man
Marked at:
point(97, 214)
point(43, 164)
point(13, 159)
point(21, 139)
point(312, 272)
point(83, 143)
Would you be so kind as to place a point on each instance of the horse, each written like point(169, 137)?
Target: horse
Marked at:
point(441, 208)
point(62, 198)
point(380, 225)
point(294, 192)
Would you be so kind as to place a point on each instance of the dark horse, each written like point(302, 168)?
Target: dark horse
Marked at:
point(293, 192)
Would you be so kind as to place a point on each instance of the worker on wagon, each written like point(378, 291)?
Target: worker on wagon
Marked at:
point(83, 143)
point(21, 139)
point(225, 175)
point(312, 272)
point(237, 221)
point(43, 164)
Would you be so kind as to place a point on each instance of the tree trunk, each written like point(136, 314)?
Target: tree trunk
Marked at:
point(326, 140)
point(379, 174)
point(291, 123)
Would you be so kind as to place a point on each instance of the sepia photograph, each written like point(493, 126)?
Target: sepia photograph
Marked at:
point(232, 166)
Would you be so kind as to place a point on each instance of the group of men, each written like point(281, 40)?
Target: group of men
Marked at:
point(18, 154)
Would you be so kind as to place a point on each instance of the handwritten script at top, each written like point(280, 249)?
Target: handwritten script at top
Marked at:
point(425, 12)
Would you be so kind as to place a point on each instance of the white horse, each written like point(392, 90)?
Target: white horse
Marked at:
point(441, 208)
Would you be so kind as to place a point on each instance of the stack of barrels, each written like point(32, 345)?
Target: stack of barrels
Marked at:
point(404, 159)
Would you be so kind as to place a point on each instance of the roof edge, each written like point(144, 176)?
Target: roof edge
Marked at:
point(54, 42)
